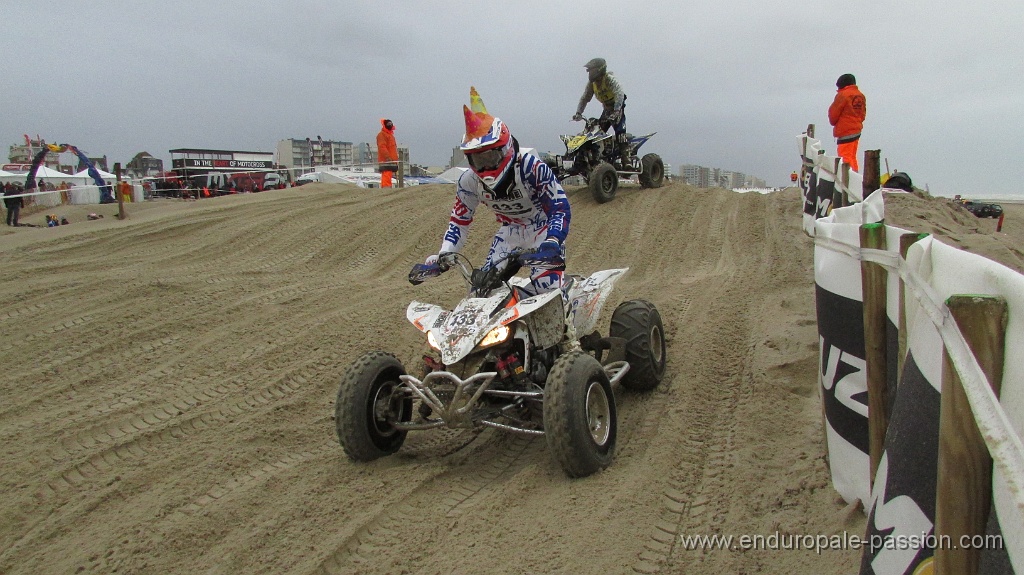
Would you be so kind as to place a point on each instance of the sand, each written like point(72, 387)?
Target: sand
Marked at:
point(169, 386)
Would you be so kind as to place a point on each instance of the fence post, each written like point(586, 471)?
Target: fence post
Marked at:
point(963, 492)
point(117, 191)
point(906, 240)
point(872, 177)
point(837, 191)
point(846, 184)
point(810, 130)
point(874, 280)
point(401, 174)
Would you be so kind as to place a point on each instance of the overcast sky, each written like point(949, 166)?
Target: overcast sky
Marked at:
point(725, 84)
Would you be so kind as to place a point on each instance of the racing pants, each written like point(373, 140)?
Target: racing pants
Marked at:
point(514, 236)
point(619, 125)
point(848, 152)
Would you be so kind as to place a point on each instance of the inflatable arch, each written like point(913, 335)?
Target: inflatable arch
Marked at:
point(106, 196)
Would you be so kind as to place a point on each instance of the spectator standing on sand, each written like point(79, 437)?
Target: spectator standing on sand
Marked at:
point(387, 152)
point(846, 114)
point(13, 204)
point(125, 190)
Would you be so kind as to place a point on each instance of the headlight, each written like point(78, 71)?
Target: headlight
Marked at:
point(495, 336)
point(432, 340)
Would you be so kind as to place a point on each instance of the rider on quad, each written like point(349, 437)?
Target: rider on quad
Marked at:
point(524, 194)
point(602, 83)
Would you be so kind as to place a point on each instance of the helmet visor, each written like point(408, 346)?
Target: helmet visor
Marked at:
point(486, 160)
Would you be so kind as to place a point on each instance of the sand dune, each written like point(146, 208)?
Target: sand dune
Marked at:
point(169, 385)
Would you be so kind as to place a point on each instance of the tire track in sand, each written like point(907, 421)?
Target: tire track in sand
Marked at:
point(446, 495)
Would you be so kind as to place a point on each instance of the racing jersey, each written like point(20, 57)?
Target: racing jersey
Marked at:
point(533, 199)
point(608, 92)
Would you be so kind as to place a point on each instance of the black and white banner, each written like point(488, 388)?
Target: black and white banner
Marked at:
point(901, 511)
point(841, 376)
point(840, 314)
point(818, 182)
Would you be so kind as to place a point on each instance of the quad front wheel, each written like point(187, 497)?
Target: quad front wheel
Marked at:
point(603, 182)
point(639, 323)
point(579, 414)
point(369, 403)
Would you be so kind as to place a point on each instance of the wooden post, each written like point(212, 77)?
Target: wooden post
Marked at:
point(846, 184)
point(837, 191)
point(401, 174)
point(117, 191)
point(999, 226)
point(963, 491)
point(872, 179)
point(810, 130)
point(906, 240)
point(874, 280)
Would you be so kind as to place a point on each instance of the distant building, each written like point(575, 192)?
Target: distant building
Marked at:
point(143, 165)
point(696, 176)
point(222, 164)
point(98, 161)
point(705, 177)
point(295, 154)
point(458, 159)
point(20, 157)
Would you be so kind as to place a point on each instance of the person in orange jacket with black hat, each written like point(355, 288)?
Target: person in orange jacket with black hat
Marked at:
point(846, 114)
point(387, 152)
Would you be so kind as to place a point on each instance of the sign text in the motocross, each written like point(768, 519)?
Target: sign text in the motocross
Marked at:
point(222, 164)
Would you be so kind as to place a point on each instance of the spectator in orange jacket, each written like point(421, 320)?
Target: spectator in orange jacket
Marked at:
point(387, 152)
point(846, 114)
point(125, 190)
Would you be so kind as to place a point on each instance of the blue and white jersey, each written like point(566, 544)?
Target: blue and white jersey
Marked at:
point(534, 200)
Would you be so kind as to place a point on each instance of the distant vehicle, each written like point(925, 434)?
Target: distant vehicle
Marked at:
point(309, 178)
point(243, 181)
point(983, 210)
point(594, 155)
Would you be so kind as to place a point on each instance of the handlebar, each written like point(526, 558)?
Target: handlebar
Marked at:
point(480, 280)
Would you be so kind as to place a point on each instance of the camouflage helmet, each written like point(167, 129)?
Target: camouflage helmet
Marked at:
point(596, 68)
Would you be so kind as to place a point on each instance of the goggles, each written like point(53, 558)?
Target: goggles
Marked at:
point(487, 160)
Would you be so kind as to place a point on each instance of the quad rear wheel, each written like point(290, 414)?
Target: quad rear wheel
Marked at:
point(603, 182)
point(652, 171)
point(369, 403)
point(639, 323)
point(579, 414)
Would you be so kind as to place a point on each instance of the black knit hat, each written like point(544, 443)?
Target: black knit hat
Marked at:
point(845, 80)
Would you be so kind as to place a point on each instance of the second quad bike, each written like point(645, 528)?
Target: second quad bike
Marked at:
point(595, 155)
point(505, 358)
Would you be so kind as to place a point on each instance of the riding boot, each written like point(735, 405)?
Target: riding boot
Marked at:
point(622, 142)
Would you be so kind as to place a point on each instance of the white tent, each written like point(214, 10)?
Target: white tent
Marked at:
point(103, 174)
point(44, 172)
point(452, 174)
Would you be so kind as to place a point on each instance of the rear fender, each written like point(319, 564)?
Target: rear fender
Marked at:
point(640, 140)
point(587, 297)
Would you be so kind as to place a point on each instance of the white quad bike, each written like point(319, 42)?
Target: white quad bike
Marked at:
point(528, 364)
